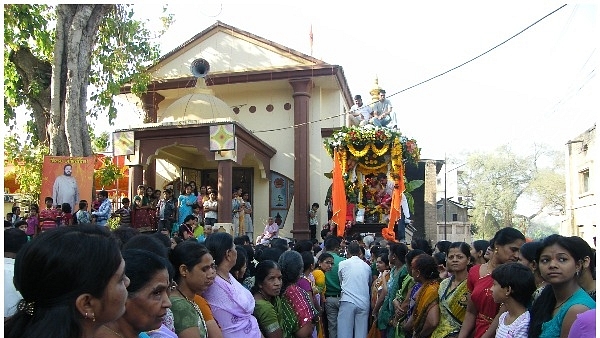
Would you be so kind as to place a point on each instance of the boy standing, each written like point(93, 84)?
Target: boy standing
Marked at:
point(313, 220)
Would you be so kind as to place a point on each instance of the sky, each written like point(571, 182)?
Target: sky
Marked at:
point(536, 88)
point(540, 87)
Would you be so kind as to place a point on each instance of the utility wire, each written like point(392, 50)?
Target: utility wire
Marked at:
point(425, 81)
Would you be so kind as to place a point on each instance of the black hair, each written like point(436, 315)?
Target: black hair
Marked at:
point(400, 250)
point(481, 245)
point(520, 279)
point(103, 193)
point(141, 266)
point(443, 245)
point(240, 261)
point(34, 207)
point(125, 200)
point(188, 253)
point(422, 244)
point(267, 253)
point(304, 245)
point(148, 243)
point(124, 234)
point(440, 258)
point(585, 250)
point(238, 241)
point(426, 266)
point(82, 204)
point(246, 239)
point(262, 271)
point(542, 308)
point(412, 254)
point(280, 243)
point(324, 256)
point(332, 243)
point(307, 260)
point(66, 208)
point(218, 244)
point(529, 250)
point(60, 261)
point(14, 239)
point(315, 205)
point(48, 199)
point(291, 265)
point(164, 239)
point(506, 236)
point(462, 246)
point(15, 208)
point(353, 249)
point(385, 258)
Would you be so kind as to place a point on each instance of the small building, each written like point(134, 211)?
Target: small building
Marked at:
point(453, 221)
point(582, 210)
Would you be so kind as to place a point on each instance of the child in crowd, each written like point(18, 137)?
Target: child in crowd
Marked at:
point(48, 216)
point(513, 286)
point(166, 211)
point(83, 216)
point(67, 215)
point(33, 221)
point(124, 212)
point(313, 220)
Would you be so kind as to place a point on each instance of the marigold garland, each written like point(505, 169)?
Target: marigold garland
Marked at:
point(380, 152)
point(356, 152)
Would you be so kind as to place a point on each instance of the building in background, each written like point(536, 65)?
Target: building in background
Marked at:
point(582, 211)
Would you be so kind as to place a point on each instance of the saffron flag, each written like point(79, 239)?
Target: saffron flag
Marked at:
point(338, 196)
point(395, 207)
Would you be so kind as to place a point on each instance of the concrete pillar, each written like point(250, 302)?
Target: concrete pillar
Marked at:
point(225, 170)
point(301, 97)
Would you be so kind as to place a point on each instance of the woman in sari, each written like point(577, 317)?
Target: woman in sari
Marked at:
point(232, 304)
point(425, 316)
point(379, 287)
point(397, 259)
point(481, 307)
point(298, 316)
point(324, 264)
point(266, 289)
point(453, 292)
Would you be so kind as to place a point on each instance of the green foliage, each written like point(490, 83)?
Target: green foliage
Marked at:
point(109, 173)
point(494, 183)
point(101, 142)
point(28, 161)
point(123, 51)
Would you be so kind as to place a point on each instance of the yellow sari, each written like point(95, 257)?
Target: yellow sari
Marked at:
point(428, 295)
point(453, 306)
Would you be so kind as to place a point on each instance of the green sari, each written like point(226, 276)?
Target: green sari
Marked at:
point(266, 315)
point(453, 306)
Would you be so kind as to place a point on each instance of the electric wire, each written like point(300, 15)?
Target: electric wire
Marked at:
point(424, 81)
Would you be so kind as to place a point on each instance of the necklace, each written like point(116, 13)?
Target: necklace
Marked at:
point(223, 278)
point(564, 301)
point(197, 308)
point(113, 331)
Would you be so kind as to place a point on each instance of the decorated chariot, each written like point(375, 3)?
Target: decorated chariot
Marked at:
point(370, 164)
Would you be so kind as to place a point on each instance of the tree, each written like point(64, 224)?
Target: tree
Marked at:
point(49, 70)
point(495, 182)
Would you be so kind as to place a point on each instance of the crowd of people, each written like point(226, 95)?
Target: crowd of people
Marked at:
point(98, 283)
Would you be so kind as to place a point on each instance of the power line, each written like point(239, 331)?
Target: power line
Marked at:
point(429, 79)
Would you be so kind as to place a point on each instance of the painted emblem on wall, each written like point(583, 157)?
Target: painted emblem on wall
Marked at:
point(222, 137)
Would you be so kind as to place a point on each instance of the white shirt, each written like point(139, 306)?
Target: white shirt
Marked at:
point(212, 213)
point(11, 295)
point(516, 329)
point(355, 276)
point(364, 110)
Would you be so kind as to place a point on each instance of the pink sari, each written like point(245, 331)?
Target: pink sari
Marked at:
point(232, 306)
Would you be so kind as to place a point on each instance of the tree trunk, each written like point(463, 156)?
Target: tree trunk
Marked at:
point(76, 33)
point(35, 73)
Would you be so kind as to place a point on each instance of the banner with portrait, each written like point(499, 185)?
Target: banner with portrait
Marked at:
point(67, 180)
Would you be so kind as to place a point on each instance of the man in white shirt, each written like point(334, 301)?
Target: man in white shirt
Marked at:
point(355, 276)
point(360, 114)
